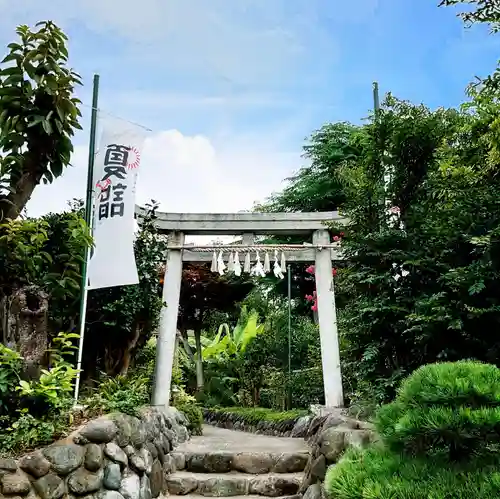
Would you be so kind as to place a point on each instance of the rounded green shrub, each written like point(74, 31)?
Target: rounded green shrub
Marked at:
point(439, 439)
point(378, 473)
point(446, 410)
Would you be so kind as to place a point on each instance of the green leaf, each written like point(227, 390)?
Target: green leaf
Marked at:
point(37, 119)
point(13, 70)
point(47, 127)
point(14, 46)
point(477, 288)
point(11, 57)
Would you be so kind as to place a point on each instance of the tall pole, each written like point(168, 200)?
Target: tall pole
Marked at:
point(289, 337)
point(88, 220)
point(376, 110)
point(376, 98)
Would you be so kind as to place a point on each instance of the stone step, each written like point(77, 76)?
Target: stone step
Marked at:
point(244, 462)
point(233, 484)
point(195, 496)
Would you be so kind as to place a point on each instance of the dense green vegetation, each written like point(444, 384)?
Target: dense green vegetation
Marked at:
point(255, 415)
point(439, 439)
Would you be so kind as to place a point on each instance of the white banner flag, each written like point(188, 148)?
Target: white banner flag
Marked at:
point(112, 262)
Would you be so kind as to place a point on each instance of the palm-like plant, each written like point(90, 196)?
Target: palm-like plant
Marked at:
point(229, 343)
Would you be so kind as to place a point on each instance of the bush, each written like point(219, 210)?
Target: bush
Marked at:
point(439, 439)
point(35, 412)
point(28, 432)
point(378, 473)
point(120, 394)
point(189, 406)
point(448, 410)
point(255, 415)
point(300, 390)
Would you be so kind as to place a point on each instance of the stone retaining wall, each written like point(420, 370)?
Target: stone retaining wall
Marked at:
point(112, 457)
point(232, 421)
point(329, 437)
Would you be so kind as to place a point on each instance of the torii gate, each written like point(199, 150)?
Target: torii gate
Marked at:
point(249, 225)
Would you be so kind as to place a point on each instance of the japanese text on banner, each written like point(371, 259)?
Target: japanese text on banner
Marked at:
point(115, 175)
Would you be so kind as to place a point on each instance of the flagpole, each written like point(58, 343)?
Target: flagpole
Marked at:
point(88, 220)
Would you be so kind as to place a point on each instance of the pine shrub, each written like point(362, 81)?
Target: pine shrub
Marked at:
point(449, 410)
point(440, 439)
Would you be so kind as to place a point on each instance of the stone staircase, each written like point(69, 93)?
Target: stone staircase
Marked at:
point(225, 463)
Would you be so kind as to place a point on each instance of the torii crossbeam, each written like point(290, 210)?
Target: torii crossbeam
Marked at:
point(317, 248)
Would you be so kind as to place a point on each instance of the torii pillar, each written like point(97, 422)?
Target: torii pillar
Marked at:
point(327, 318)
point(165, 345)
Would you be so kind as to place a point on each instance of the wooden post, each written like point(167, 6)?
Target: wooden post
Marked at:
point(165, 346)
point(327, 316)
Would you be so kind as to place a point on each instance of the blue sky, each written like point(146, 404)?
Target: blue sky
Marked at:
point(231, 88)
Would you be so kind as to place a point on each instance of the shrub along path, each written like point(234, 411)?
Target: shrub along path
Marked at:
point(225, 463)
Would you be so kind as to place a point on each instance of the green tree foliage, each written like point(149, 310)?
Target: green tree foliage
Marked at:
point(122, 318)
point(258, 374)
point(229, 343)
point(443, 182)
point(38, 114)
point(46, 252)
point(483, 11)
point(49, 251)
point(203, 292)
point(317, 187)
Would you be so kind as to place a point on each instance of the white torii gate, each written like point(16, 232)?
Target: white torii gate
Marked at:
point(249, 225)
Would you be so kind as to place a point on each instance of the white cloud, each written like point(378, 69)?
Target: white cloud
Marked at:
point(237, 43)
point(226, 57)
point(185, 174)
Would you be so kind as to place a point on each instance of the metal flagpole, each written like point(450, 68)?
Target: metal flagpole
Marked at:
point(88, 220)
point(376, 99)
point(376, 110)
point(289, 338)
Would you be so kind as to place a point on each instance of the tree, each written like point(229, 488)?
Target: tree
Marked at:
point(485, 11)
point(423, 289)
point(316, 187)
point(41, 266)
point(202, 291)
point(38, 114)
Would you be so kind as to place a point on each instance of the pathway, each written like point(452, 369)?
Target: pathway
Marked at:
point(224, 463)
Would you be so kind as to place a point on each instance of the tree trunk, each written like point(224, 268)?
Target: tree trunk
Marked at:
point(199, 362)
point(118, 355)
point(27, 328)
point(12, 205)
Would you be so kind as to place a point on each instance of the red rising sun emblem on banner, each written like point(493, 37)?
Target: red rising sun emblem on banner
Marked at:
point(134, 158)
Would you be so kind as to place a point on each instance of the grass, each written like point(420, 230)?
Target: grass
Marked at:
point(255, 415)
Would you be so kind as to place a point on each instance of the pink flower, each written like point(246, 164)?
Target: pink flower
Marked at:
point(310, 269)
point(341, 234)
point(309, 297)
point(314, 308)
point(336, 238)
point(334, 272)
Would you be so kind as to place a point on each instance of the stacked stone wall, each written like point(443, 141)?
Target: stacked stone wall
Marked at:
point(111, 457)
